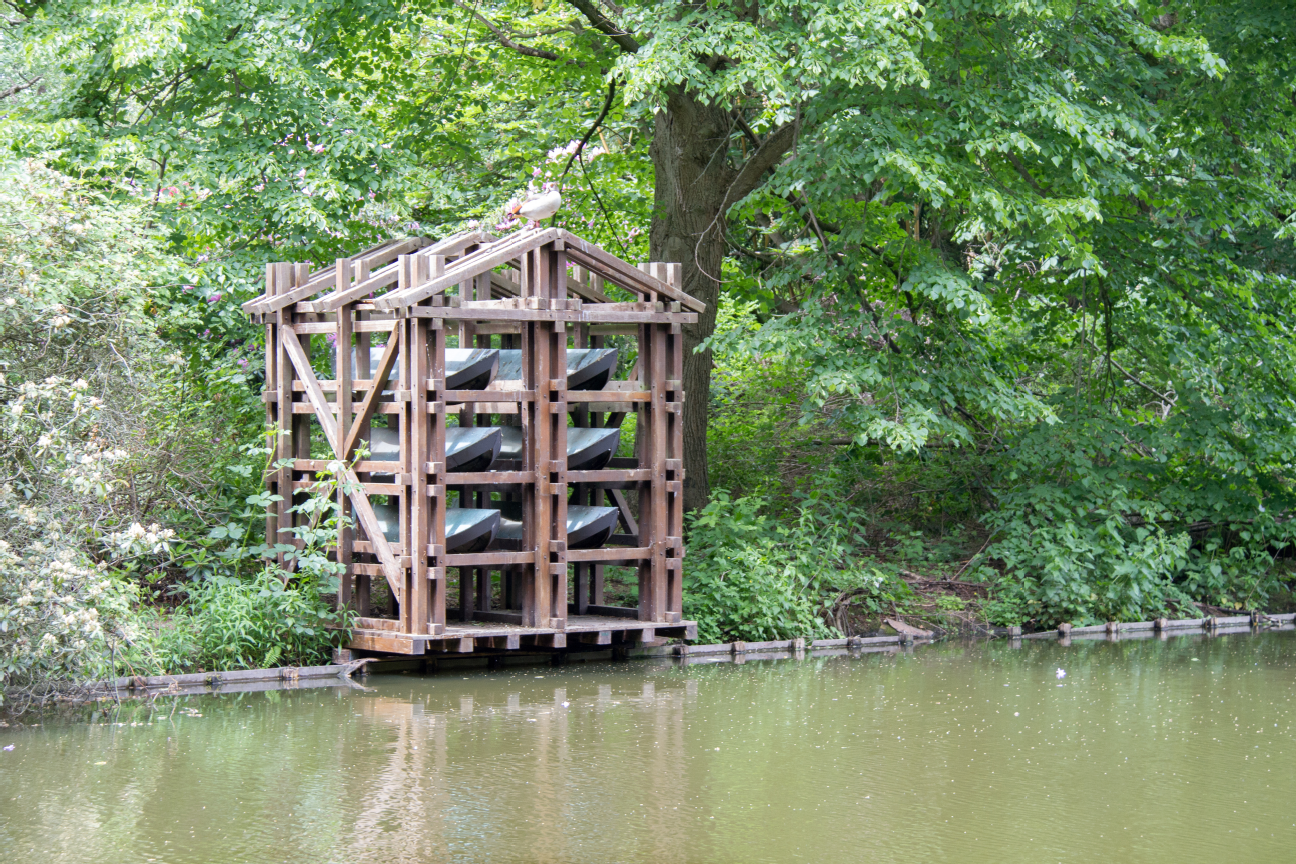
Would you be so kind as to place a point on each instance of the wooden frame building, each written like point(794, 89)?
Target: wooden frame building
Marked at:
point(532, 305)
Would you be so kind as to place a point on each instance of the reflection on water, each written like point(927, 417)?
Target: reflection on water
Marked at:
point(1146, 751)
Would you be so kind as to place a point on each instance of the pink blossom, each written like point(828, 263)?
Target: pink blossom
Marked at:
point(214, 298)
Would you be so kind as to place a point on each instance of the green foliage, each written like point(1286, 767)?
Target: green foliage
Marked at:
point(61, 619)
point(260, 622)
point(754, 579)
point(1016, 291)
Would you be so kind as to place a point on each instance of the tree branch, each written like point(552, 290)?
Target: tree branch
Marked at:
point(504, 39)
point(18, 88)
point(1025, 175)
point(601, 23)
point(607, 106)
point(606, 216)
point(770, 152)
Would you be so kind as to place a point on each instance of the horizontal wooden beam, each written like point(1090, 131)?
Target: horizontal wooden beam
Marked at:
point(608, 554)
point(613, 611)
point(584, 315)
point(488, 559)
point(610, 475)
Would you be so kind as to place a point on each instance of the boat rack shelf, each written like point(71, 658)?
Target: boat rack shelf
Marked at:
point(479, 374)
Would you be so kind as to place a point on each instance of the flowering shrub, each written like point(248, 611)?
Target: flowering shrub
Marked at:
point(61, 619)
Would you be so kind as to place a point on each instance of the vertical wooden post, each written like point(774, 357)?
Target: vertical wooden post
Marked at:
point(675, 459)
point(416, 376)
point(283, 379)
point(271, 396)
point(651, 434)
point(537, 513)
point(481, 577)
point(597, 497)
point(556, 419)
point(363, 370)
point(433, 456)
point(344, 376)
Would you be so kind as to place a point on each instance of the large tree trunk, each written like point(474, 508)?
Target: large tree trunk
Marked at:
point(693, 177)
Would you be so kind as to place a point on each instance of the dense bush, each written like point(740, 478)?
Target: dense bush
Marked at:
point(231, 623)
point(124, 471)
point(754, 579)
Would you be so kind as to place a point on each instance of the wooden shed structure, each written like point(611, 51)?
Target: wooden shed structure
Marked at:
point(481, 373)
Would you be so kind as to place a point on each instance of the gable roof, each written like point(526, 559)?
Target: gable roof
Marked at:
point(491, 253)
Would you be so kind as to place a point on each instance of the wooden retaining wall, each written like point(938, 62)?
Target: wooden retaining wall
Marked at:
point(339, 675)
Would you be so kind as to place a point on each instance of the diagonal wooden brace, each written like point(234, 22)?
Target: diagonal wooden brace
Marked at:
point(355, 491)
point(370, 402)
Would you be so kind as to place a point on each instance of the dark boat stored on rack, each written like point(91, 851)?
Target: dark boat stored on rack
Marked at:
point(587, 449)
point(587, 368)
point(466, 368)
point(587, 527)
point(468, 448)
point(467, 529)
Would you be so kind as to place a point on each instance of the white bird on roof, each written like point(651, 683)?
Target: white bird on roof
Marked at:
point(537, 207)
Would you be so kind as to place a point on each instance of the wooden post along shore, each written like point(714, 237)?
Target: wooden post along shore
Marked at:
point(478, 371)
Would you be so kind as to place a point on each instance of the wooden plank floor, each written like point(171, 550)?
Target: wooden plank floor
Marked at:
point(592, 631)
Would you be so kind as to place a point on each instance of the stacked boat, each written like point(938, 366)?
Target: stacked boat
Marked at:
point(480, 448)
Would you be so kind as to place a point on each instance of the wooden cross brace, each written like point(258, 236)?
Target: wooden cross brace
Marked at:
point(355, 491)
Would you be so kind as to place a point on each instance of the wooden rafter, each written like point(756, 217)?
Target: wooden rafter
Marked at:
point(486, 258)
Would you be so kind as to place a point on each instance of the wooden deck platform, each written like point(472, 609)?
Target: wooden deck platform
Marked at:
point(381, 635)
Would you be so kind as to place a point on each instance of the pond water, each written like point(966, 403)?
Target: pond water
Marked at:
point(1146, 751)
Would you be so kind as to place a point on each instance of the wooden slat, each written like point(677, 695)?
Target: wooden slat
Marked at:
point(381, 279)
point(487, 258)
point(263, 303)
point(386, 643)
point(609, 475)
point(611, 267)
point(609, 396)
point(487, 478)
point(614, 553)
point(614, 611)
point(489, 559)
point(624, 506)
point(377, 624)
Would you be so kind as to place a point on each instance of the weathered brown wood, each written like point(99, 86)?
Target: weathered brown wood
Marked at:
point(614, 611)
point(435, 492)
point(422, 508)
point(545, 308)
point(345, 374)
point(371, 399)
point(612, 553)
point(350, 482)
point(390, 644)
point(610, 267)
point(489, 559)
point(488, 257)
point(610, 475)
point(619, 499)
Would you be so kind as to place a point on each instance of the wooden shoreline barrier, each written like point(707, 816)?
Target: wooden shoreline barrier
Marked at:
point(339, 675)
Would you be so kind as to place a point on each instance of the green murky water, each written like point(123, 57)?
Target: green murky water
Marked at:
point(1146, 751)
